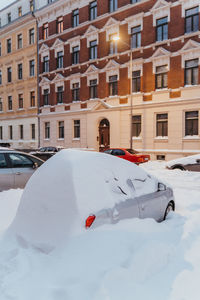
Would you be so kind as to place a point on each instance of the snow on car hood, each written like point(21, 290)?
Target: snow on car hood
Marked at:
point(69, 187)
point(183, 161)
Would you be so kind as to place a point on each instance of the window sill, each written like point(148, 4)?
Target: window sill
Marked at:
point(136, 138)
point(76, 139)
point(60, 139)
point(191, 137)
point(47, 139)
point(161, 138)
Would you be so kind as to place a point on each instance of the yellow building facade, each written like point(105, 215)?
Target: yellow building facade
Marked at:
point(18, 83)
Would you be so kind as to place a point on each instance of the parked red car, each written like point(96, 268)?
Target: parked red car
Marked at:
point(129, 154)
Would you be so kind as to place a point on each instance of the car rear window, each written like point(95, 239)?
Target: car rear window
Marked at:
point(118, 152)
point(131, 151)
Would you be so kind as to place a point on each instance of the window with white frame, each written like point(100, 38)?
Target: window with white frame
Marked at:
point(192, 19)
point(192, 72)
point(59, 94)
point(75, 91)
point(136, 81)
point(93, 89)
point(191, 123)
point(76, 129)
point(46, 97)
point(61, 130)
point(162, 125)
point(47, 130)
point(136, 37)
point(161, 77)
point(136, 125)
point(59, 59)
point(113, 85)
point(162, 29)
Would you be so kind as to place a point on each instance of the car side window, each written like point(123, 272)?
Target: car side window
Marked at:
point(3, 163)
point(118, 152)
point(20, 161)
point(109, 151)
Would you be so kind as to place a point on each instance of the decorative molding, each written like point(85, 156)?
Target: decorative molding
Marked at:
point(137, 65)
point(111, 27)
point(187, 4)
point(160, 57)
point(91, 34)
point(112, 68)
point(58, 46)
point(92, 73)
point(133, 21)
point(160, 10)
point(74, 42)
point(191, 50)
point(74, 78)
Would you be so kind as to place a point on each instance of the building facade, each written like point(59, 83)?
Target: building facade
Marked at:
point(86, 75)
point(19, 74)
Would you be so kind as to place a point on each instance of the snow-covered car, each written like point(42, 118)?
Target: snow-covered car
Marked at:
point(78, 189)
point(45, 153)
point(190, 163)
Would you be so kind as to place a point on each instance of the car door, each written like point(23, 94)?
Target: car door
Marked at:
point(22, 167)
point(195, 167)
point(6, 174)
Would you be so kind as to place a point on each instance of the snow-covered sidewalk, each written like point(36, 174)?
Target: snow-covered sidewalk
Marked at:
point(134, 259)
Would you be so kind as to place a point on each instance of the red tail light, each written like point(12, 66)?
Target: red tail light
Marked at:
point(140, 159)
point(89, 221)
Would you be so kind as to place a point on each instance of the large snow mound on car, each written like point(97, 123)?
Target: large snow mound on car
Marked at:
point(69, 187)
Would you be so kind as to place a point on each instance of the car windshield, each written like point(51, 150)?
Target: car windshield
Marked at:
point(132, 151)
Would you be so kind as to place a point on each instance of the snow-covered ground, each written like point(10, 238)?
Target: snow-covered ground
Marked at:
point(134, 259)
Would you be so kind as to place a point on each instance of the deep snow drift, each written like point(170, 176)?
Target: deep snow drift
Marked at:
point(69, 187)
point(134, 259)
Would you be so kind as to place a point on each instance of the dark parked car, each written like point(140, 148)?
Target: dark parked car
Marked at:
point(129, 154)
point(16, 168)
point(46, 152)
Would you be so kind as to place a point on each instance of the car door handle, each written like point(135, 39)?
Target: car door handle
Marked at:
point(18, 173)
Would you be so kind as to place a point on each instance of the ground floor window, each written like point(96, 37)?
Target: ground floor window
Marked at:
point(76, 128)
point(47, 130)
point(136, 125)
point(191, 122)
point(162, 125)
point(61, 130)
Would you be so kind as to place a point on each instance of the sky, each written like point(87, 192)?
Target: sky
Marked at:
point(4, 3)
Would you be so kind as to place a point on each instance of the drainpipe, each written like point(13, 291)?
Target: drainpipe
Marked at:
point(38, 89)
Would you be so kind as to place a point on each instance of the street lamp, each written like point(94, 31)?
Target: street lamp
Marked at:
point(117, 38)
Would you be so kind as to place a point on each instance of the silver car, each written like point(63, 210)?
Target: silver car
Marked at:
point(16, 168)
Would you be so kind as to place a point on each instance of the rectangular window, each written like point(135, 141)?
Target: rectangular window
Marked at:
point(19, 11)
point(113, 85)
point(10, 132)
point(93, 10)
point(75, 55)
point(20, 101)
point(136, 37)
point(47, 130)
point(19, 41)
point(21, 132)
point(0, 77)
point(32, 98)
point(136, 126)
point(76, 129)
point(192, 19)
point(93, 49)
point(20, 71)
point(46, 97)
point(191, 72)
point(75, 92)
point(191, 123)
point(33, 131)
point(1, 132)
point(31, 5)
point(60, 94)
point(161, 77)
point(9, 17)
point(59, 59)
point(162, 125)
point(31, 36)
point(162, 29)
point(61, 130)
point(59, 24)
point(45, 64)
point(75, 18)
point(9, 45)
point(9, 102)
point(112, 5)
point(1, 105)
point(93, 89)
point(113, 44)
point(9, 74)
point(45, 31)
point(136, 81)
point(32, 67)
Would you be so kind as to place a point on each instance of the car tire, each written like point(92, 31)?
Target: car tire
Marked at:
point(170, 207)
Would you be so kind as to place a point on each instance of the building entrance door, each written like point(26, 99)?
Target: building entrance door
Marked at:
point(104, 135)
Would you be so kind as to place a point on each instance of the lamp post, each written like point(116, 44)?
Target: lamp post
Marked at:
point(117, 38)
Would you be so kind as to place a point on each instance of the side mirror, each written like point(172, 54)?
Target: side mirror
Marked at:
point(35, 165)
point(161, 187)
